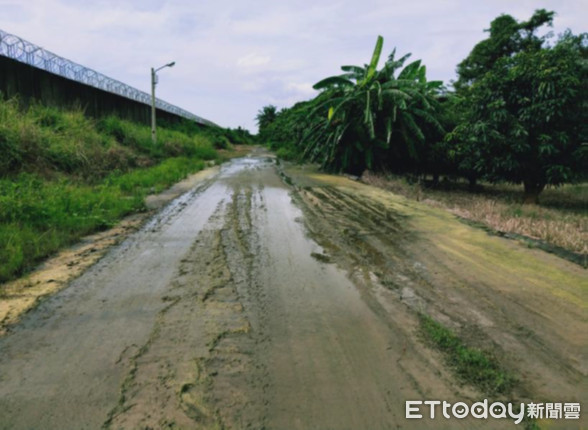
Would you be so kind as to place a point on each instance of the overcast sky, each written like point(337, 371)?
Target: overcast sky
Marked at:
point(234, 57)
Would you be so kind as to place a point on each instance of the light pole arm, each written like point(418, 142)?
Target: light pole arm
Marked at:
point(173, 63)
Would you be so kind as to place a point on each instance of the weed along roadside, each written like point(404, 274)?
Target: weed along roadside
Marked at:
point(64, 176)
point(54, 273)
point(276, 294)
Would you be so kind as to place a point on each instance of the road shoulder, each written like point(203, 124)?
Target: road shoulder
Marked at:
point(24, 294)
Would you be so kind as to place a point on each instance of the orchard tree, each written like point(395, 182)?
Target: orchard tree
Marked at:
point(287, 132)
point(507, 37)
point(525, 106)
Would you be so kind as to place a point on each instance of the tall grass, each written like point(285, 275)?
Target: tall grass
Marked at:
point(48, 141)
point(170, 142)
point(63, 175)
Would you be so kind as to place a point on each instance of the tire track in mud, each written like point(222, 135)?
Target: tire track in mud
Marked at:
point(368, 240)
point(215, 358)
point(397, 263)
point(376, 244)
point(241, 336)
point(199, 366)
point(238, 377)
point(290, 308)
point(336, 358)
point(363, 236)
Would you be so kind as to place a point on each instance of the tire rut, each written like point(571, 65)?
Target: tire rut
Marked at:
point(198, 366)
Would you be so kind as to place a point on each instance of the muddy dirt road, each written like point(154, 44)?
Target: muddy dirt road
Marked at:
point(254, 303)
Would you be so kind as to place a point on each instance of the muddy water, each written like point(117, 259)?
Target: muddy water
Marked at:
point(225, 312)
point(332, 361)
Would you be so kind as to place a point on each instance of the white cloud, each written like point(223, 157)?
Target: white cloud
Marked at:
point(253, 61)
point(234, 57)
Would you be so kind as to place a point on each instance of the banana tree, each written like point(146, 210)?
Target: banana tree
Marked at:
point(371, 113)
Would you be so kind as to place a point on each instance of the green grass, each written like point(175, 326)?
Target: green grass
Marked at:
point(170, 142)
point(64, 175)
point(51, 142)
point(156, 178)
point(287, 153)
point(472, 365)
point(38, 217)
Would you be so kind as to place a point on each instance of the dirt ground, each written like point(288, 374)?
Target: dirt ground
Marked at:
point(277, 297)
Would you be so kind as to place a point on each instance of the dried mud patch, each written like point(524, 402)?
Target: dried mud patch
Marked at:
point(199, 367)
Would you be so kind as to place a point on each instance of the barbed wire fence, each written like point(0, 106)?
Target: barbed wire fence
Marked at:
point(18, 49)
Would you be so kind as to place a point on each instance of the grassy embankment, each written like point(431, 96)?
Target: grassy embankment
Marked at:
point(63, 175)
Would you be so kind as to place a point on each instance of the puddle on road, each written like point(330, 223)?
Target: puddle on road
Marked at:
point(324, 351)
point(248, 303)
point(74, 340)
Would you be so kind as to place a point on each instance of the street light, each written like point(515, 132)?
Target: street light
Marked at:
point(153, 83)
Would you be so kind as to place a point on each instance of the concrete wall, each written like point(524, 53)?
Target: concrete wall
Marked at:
point(30, 83)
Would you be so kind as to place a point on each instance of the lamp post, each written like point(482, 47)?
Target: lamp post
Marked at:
point(153, 83)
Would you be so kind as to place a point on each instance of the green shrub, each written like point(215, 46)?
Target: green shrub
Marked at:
point(288, 153)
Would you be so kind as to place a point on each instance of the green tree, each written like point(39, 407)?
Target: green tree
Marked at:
point(524, 105)
point(507, 37)
point(265, 116)
point(373, 113)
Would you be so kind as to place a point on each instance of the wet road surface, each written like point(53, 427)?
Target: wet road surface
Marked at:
point(225, 312)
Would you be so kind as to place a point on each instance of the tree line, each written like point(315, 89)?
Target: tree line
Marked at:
point(517, 113)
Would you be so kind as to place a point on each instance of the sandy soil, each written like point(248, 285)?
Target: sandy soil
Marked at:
point(250, 302)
